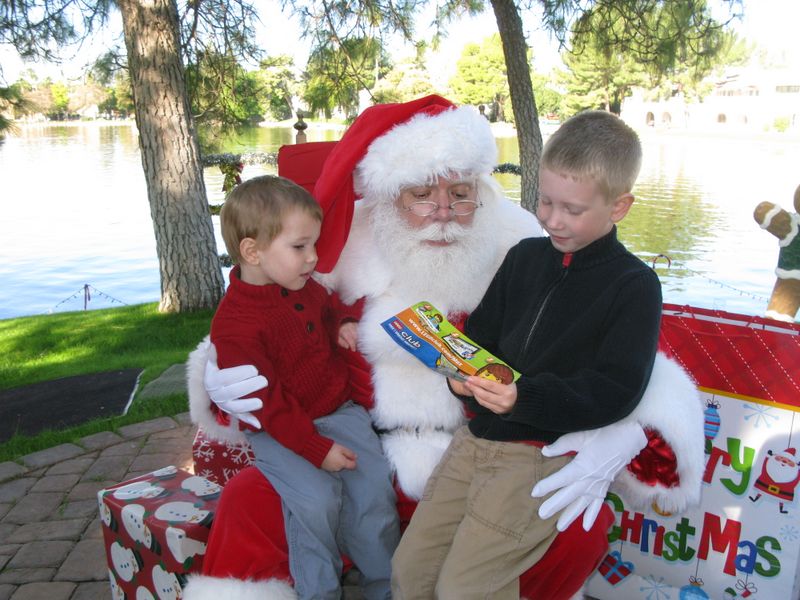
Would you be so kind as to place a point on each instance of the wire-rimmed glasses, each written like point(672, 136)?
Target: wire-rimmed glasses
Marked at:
point(459, 208)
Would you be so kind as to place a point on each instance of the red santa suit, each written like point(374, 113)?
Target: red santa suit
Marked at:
point(386, 266)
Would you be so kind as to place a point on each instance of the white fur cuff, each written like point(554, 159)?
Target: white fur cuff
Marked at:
point(202, 587)
point(200, 403)
point(670, 405)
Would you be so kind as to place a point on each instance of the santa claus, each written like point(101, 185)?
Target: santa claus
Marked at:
point(376, 254)
point(780, 474)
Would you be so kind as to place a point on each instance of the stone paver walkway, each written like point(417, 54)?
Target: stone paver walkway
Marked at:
point(52, 543)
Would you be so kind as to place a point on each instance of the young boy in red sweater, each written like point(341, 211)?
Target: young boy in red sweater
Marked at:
point(318, 448)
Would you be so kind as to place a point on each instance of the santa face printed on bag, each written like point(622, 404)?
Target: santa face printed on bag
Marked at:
point(182, 512)
point(127, 562)
point(201, 487)
point(780, 474)
point(167, 585)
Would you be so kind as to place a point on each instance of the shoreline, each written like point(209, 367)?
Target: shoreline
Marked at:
point(500, 130)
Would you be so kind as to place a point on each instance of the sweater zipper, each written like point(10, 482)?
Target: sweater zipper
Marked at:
point(565, 262)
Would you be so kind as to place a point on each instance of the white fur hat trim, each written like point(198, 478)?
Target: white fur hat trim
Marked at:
point(426, 146)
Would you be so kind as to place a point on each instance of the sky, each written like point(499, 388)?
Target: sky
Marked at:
point(770, 23)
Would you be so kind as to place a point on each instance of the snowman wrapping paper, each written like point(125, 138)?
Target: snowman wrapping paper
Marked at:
point(155, 529)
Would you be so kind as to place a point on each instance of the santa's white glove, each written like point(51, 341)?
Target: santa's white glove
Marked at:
point(227, 388)
point(583, 483)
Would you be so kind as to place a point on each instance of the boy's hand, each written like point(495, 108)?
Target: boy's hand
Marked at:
point(497, 397)
point(348, 335)
point(339, 458)
point(459, 387)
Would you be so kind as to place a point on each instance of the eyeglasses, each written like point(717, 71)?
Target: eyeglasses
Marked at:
point(460, 208)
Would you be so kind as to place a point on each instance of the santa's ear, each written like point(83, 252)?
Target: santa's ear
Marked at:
point(248, 251)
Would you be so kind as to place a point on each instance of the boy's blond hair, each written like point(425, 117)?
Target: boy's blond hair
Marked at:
point(256, 207)
point(598, 145)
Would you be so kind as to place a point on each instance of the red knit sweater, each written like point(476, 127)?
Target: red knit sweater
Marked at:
point(290, 337)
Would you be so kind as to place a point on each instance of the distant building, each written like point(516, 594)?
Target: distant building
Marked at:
point(744, 99)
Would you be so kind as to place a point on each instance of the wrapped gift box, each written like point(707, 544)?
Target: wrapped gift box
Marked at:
point(218, 460)
point(155, 529)
point(614, 569)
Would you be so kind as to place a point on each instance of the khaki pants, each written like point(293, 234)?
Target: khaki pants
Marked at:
point(476, 529)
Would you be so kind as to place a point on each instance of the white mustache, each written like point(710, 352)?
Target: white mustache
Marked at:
point(447, 232)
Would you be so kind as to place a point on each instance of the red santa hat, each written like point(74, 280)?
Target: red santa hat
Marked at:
point(391, 146)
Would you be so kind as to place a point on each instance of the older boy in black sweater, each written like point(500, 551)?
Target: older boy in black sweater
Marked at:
point(578, 315)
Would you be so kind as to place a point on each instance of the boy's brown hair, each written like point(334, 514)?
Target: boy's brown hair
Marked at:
point(598, 145)
point(255, 209)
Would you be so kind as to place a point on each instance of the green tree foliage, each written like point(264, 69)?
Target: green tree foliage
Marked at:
point(548, 100)
point(598, 77)
point(59, 93)
point(616, 45)
point(691, 80)
point(347, 57)
point(223, 94)
point(337, 73)
point(118, 101)
point(481, 75)
point(12, 102)
point(279, 84)
point(407, 80)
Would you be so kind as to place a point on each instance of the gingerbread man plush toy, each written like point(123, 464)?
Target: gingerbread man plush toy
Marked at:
point(785, 299)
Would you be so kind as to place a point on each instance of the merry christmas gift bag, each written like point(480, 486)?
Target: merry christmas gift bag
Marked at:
point(743, 540)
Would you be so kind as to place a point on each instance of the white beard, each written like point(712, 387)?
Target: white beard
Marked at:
point(451, 277)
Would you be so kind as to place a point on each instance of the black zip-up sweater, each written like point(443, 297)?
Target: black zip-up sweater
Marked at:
point(582, 329)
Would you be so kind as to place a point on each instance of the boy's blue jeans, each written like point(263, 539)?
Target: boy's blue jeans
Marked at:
point(326, 514)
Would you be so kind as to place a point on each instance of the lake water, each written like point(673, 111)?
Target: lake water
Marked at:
point(75, 213)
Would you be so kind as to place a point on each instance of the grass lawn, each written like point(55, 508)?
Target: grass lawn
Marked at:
point(41, 348)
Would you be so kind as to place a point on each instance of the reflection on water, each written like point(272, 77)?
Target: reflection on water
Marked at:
point(75, 212)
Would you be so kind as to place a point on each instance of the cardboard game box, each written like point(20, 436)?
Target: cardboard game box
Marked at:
point(424, 332)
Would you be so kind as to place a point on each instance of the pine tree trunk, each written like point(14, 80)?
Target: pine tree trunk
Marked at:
point(191, 277)
point(523, 103)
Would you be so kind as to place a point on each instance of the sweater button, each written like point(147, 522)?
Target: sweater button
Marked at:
point(309, 327)
point(298, 306)
point(284, 292)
